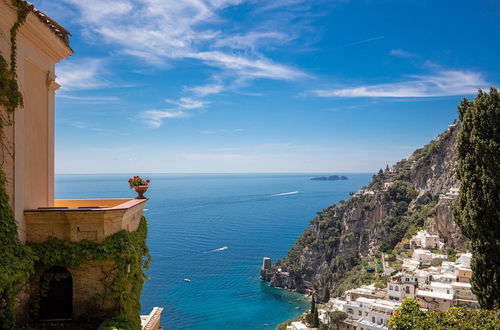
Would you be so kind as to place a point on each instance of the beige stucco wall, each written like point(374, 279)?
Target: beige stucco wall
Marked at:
point(30, 170)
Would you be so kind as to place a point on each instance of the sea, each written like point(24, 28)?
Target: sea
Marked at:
point(208, 234)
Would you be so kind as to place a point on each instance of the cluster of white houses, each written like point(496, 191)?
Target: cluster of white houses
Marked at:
point(434, 287)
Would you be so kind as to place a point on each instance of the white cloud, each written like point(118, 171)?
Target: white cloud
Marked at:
point(154, 118)
point(249, 68)
point(89, 99)
point(187, 103)
point(205, 90)
point(160, 31)
point(81, 74)
point(443, 83)
point(401, 53)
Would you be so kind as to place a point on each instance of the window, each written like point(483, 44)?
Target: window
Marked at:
point(407, 279)
point(396, 288)
point(359, 313)
point(390, 287)
point(373, 319)
point(350, 311)
point(407, 289)
point(382, 321)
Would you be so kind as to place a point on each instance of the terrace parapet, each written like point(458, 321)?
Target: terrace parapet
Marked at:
point(78, 219)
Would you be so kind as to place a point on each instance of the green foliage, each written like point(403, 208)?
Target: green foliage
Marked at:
point(409, 316)
point(337, 316)
point(10, 96)
point(353, 278)
point(452, 254)
point(126, 249)
point(477, 209)
point(16, 259)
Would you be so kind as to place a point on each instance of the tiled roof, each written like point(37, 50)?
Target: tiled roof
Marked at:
point(57, 29)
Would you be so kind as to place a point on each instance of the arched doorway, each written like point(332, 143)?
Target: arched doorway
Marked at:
point(57, 301)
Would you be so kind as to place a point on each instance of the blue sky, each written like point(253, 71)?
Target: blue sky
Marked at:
point(264, 86)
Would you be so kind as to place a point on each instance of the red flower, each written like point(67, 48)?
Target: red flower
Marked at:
point(130, 180)
point(148, 181)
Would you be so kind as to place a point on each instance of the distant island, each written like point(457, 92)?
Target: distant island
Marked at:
point(330, 178)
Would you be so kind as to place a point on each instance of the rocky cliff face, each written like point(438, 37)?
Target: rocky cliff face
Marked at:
point(414, 193)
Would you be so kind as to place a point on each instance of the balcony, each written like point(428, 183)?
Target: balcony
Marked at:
point(78, 219)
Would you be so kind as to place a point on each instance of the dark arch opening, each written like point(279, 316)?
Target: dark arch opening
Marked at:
point(56, 303)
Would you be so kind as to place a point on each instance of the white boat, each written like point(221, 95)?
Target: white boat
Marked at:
point(187, 280)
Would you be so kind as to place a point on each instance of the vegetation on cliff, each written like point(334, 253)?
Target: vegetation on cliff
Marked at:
point(478, 208)
point(410, 316)
point(339, 249)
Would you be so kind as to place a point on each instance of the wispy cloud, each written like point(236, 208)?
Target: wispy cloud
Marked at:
point(443, 83)
point(401, 53)
point(154, 118)
point(205, 90)
point(187, 103)
point(160, 31)
point(89, 99)
point(81, 75)
point(247, 68)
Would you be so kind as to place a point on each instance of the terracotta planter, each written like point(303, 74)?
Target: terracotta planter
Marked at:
point(140, 190)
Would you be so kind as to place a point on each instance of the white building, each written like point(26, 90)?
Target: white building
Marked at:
point(397, 291)
point(425, 240)
point(463, 295)
point(387, 185)
point(464, 259)
point(446, 277)
point(378, 313)
point(435, 301)
point(424, 257)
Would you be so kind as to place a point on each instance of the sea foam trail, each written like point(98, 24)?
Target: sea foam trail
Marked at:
point(286, 193)
point(217, 250)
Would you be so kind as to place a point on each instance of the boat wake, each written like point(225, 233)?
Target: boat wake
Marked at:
point(217, 250)
point(286, 193)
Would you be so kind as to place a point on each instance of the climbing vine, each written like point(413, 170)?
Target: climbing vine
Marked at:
point(16, 259)
point(126, 250)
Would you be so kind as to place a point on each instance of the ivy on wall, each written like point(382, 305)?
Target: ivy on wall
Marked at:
point(18, 262)
point(127, 250)
point(16, 259)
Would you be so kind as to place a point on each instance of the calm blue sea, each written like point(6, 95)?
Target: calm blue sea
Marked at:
point(214, 229)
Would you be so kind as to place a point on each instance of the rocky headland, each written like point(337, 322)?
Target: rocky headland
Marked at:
point(417, 192)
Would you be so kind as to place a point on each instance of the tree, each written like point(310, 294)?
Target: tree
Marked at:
point(315, 318)
point(477, 211)
point(326, 297)
point(409, 316)
point(336, 317)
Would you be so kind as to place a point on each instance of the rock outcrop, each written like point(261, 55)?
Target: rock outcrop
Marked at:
point(416, 192)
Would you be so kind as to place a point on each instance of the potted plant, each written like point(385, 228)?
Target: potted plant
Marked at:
point(140, 185)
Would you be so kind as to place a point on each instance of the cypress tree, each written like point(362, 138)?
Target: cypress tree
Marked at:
point(315, 318)
point(477, 211)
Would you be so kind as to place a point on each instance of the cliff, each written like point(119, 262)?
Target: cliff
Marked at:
point(414, 193)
